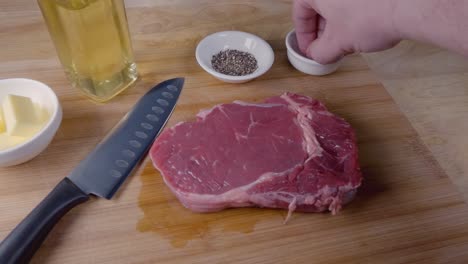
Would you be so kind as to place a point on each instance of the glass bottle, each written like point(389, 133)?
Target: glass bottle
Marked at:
point(93, 44)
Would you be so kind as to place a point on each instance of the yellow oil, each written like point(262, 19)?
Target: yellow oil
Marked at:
point(93, 44)
point(165, 216)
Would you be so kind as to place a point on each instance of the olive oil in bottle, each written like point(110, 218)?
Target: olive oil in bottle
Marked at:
point(93, 43)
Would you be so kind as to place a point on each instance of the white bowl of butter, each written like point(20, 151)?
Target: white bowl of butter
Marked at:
point(30, 114)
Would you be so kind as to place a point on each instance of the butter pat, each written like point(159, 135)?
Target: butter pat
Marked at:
point(2, 122)
point(21, 117)
point(43, 113)
point(7, 141)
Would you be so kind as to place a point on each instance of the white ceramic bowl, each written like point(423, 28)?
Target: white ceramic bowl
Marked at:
point(46, 98)
point(304, 64)
point(238, 40)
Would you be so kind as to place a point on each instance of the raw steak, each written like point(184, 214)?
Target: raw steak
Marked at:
point(288, 152)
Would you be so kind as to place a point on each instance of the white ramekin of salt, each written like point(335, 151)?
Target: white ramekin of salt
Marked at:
point(304, 64)
point(234, 56)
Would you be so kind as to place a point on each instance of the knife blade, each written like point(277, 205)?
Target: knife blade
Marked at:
point(115, 157)
point(101, 173)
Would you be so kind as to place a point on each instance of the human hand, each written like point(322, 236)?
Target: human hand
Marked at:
point(330, 29)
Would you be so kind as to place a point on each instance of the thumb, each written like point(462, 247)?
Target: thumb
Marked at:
point(324, 50)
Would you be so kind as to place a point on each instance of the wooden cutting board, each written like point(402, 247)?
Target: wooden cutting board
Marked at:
point(407, 210)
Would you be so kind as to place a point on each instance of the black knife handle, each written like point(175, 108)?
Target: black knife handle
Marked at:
point(21, 244)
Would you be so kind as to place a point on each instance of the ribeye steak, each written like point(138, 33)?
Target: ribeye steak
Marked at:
point(288, 152)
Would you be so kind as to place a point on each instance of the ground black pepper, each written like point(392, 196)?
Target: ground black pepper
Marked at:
point(234, 62)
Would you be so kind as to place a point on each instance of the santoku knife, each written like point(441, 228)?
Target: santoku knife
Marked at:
point(101, 173)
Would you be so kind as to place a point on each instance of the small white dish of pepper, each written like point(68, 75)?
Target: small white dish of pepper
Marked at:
point(234, 56)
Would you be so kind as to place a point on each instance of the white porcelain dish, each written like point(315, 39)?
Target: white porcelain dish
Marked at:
point(238, 40)
point(304, 64)
point(44, 96)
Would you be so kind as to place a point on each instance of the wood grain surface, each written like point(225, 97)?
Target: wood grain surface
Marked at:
point(431, 87)
point(407, 210)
